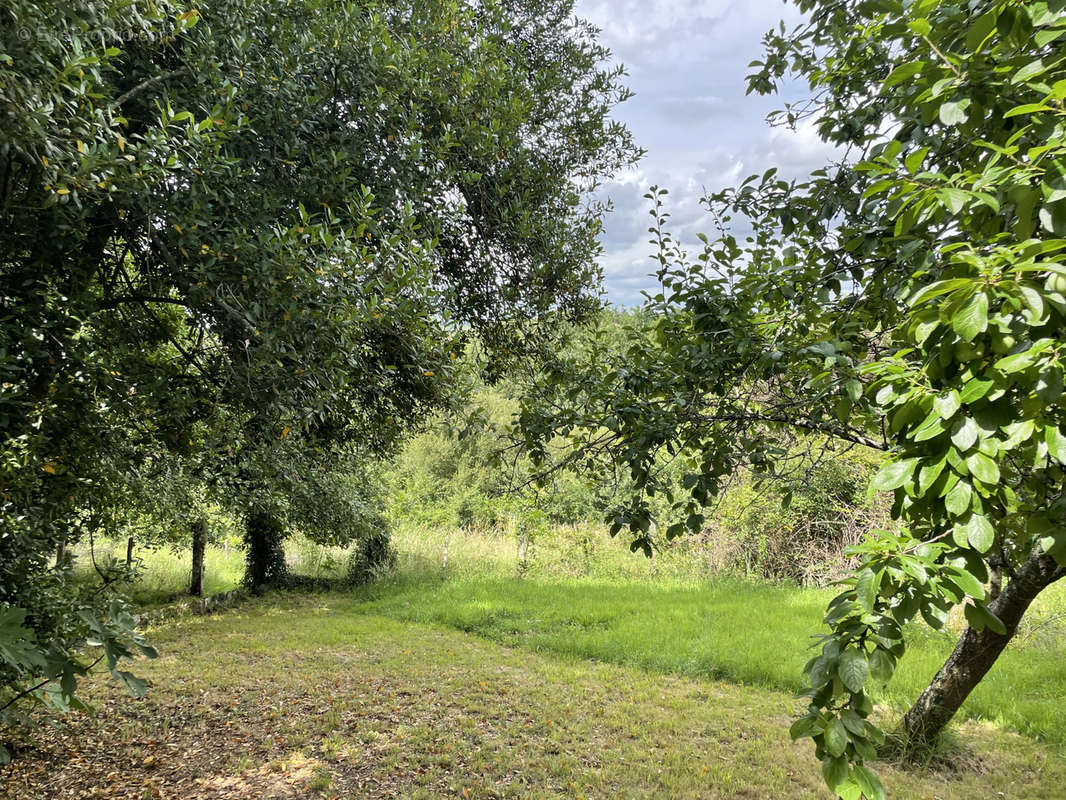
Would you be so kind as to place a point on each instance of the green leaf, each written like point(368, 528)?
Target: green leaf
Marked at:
point(968, 583)
point(980, 30)
point(979, 617)
point(983, 468)
point(1034, 301)
point(920, 26)
point(904, 72)
point(935, 617)
point(1054, 544)
point(972, 318)
point(1016, 362)
point(955, 113)
point(137, 687)
point(1056, 443)
point(855, 724)
point(18, 647)
point(975, 389)
point(894, 474)
point(947, 404)
point(1018, 433)
point(954, 199)
point(929, 473)
point(868, 782)
point(852, 667)
point(964, 434)
point(1030, 70)
point(931, 427)
point(821, 671)
point(936, 289)
point(1028, 108)
point(882, 665)
point(866, 588)
point(835, 770)
point(957, 501)
point(836, 737)
point(977, 531)
point(1053, 217)
point(805, 726)
point(913, 162)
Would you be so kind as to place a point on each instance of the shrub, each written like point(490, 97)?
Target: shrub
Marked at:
point(372, 557)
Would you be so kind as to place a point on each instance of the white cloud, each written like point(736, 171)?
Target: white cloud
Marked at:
point(687, 61)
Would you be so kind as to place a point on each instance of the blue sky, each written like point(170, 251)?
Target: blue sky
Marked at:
point(686, 61)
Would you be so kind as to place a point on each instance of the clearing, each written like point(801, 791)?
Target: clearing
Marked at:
point(326, 696)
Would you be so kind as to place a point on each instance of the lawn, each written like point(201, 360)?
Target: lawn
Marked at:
point(664, 615)
point(325, 696)
point(740, 631)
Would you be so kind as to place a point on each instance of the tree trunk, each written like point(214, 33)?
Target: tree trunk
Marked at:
point(61, 553)
point(199, 545)
point(265, 560)
point(977, 651)
point(129, 552)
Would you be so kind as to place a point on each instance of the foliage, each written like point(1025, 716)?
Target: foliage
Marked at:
point(755, 532)
point(373, 556)
point(909, 299)
point(265, 557)
point(243, 243)
point(464, 476)
point(468, 477)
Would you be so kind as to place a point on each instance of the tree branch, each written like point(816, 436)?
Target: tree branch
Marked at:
point(145, 86)
point(114, 302)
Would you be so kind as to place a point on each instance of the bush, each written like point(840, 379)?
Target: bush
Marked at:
point(372, 557)
point(798, 530)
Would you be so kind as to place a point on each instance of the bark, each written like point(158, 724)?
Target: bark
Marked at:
point(199, 545)
point(129, 552)
point(977, 651)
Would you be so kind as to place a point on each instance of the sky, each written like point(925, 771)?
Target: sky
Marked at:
point(687, 60)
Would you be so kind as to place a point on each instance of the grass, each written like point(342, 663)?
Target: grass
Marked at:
point(322, 696)
point(164, 571)
point(729, 629)
point(584, 596)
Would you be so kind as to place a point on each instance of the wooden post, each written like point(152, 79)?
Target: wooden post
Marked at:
point(523, 541)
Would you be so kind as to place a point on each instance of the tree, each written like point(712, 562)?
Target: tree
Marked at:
point(281, 220)
point(909, 299)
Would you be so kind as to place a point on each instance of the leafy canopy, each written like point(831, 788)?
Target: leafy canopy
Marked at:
point(911, 298)
point(244, 242)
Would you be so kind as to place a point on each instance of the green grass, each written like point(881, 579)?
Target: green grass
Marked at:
point(584, 595)
point(164, 572)
point(321, 696)
point(740, 631)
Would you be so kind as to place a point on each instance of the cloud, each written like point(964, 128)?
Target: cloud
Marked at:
point(687, 61)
